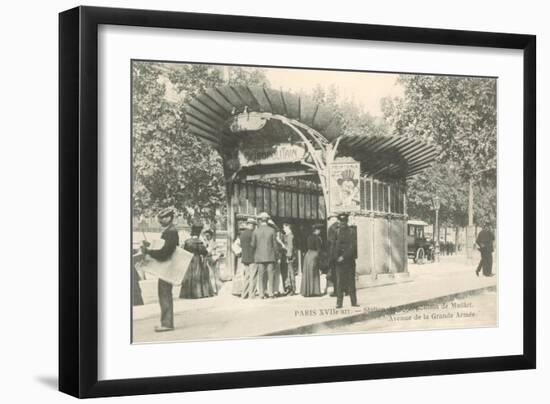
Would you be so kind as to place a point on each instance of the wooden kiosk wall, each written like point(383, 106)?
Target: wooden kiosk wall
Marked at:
point(381, 228)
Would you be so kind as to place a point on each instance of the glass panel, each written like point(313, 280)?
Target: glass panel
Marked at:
point(267, 199)
point(274, 202)
point(281, 203)
point(386, 198)
point(399, 200)
point(368, 204)
point(393, 194)
point(307, 200)
point(259, 199)
point(375, 196)
point(251, 198)
point(294, 204)
point(314, 206)
point(362, 193)
point(322, 211)
point(380, 197)
point(301, 206)
point(288, 204)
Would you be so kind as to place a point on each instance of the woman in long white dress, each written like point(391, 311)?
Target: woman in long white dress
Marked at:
point(237, 281)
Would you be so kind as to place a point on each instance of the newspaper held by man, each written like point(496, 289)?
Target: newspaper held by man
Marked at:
point(171, 270)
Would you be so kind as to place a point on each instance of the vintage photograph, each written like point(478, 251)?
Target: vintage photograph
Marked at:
point(271, 201)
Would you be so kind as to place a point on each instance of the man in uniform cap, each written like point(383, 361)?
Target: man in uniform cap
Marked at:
point(485, 241)
point(344, 253)
point(264, 243)
point(171, 241)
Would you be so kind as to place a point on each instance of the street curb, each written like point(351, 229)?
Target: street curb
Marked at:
point(315, 328)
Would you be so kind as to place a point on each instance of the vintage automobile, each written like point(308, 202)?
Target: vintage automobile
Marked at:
point(419, 248)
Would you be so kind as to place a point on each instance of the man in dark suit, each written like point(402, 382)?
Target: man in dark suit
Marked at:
point(247, 252)
point(485, 242)
point(171, 241)
point(250, 279)
point(344, 253)
point(264, 243)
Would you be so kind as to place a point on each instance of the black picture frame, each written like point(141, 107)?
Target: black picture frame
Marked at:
point(78, 200)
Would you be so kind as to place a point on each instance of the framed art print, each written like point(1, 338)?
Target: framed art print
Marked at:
point(248, 194)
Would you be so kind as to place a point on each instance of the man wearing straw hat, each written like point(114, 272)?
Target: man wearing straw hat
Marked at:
point(250, 273)
point(171, 241)
point(264, 243)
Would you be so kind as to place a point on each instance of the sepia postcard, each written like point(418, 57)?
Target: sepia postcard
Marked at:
point(271, 201)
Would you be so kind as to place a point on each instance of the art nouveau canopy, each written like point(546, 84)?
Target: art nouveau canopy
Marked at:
point(211, 117)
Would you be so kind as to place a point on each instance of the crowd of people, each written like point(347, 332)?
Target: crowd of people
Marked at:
point(267, 262)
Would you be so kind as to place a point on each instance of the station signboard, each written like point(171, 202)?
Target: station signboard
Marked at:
point(282, 153)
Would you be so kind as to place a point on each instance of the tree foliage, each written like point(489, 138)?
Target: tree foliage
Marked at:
point(441, 180)
point(458, 115)
point(170, 166)
point(354, 119)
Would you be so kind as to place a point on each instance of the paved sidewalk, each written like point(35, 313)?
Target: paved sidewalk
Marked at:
point(227, 316)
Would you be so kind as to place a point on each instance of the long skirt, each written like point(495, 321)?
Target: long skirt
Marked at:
point(213, 271)
point(196, 282)
point(311, 277)
point(250, 281)
point(237, 282)
point(137, 299)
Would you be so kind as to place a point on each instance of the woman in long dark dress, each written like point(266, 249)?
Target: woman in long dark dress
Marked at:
point(311, 277)
point(196, 282)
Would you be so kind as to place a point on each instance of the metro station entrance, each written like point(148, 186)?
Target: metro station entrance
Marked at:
point(289, 156)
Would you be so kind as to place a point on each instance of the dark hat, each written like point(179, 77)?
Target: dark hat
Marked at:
point(166, 212)
point(196, 228)
point(343, 216)
point(347, 175)
point(319, 226)
point(209, 231)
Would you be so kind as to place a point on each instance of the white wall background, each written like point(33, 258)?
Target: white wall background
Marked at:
point(28, 181)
